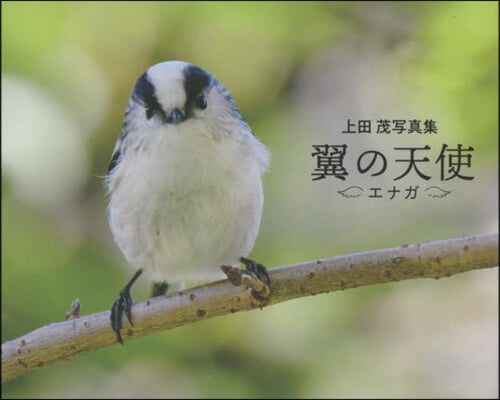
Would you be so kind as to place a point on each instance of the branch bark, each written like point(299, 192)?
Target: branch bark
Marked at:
point(63, 340)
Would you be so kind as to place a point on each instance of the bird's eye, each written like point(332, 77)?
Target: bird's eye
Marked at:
point(200, 101)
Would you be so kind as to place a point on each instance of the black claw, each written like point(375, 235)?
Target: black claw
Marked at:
point(257, 269)
point(123, 303)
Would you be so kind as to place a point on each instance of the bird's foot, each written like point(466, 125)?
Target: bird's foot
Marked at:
point(122, 303)
point(255, 277)
point(258, 269)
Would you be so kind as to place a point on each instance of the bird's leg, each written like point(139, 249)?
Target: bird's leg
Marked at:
point(159, 289)
point(123, 303)
point(259, 271)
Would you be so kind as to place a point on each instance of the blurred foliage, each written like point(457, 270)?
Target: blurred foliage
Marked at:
point(297, 71)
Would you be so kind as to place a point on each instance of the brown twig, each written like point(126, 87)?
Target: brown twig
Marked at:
point(63, 340)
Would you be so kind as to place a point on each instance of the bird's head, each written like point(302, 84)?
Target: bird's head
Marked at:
point(176, 92)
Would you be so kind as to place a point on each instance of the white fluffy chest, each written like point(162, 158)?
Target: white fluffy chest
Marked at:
point(183, 202)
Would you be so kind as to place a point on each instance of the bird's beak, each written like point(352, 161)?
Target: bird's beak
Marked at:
point(176, 116)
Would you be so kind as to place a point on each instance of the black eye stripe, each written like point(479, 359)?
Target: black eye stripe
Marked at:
point(195, 81)
point(144, 91)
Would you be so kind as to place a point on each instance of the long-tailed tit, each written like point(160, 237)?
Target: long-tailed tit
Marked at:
point(184, 182)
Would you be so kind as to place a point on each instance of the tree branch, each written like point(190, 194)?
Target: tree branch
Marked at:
point(63, 340)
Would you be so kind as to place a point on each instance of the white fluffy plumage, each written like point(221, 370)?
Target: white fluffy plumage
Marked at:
point(185, 182)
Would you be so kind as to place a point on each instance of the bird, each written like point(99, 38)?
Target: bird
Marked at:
point(184, 182)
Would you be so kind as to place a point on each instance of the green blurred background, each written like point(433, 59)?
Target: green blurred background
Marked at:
point(297, 71)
